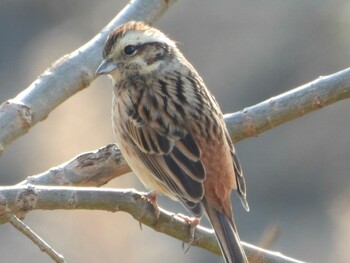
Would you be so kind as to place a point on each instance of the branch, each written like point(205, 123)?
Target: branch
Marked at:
point(23, 199)
point(45, 247)
point(295, 103)
point(94, 168)
point(68, 75)
point(7, 215)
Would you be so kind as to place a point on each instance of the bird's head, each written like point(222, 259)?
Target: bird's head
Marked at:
point(133, 49)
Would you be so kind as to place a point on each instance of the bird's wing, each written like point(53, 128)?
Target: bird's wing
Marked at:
point(241, 186)
point(170, 152)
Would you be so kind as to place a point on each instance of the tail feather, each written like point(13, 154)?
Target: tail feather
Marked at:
point(227, 236)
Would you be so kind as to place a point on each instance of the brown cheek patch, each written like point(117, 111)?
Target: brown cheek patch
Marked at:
point(152, 52)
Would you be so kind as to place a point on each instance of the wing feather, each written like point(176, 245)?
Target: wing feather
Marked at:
point(241, 186)
point(164, 145)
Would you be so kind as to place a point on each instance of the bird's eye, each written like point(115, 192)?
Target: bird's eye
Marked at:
point(130, 50)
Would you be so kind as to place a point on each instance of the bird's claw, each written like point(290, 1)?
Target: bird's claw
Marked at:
point(193, 222)
point(151, 197)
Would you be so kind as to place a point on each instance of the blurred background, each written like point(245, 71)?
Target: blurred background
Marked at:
point(246, 51)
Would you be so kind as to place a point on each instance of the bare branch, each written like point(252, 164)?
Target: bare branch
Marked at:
point(45, 247)
point(295, 103)
point(67, 76)
point(94, 168)
point(23, 199)
point(6, 215)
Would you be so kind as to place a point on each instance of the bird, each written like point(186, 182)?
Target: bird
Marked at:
point(170, 129)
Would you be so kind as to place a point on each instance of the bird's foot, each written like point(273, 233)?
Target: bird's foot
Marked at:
point(193, 222)
point(151, 197)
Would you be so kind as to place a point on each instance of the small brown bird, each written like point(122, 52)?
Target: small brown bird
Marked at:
point(171, 130)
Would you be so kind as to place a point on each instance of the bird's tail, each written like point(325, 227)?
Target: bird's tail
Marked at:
point(227, 235)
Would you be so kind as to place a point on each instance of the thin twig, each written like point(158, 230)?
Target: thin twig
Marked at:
point(44, 247)
point(22, 199)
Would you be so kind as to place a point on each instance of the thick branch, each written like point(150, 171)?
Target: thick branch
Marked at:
point(68, 75)
point(23, 199)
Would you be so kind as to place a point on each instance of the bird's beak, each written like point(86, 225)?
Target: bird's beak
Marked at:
point(106, 67)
